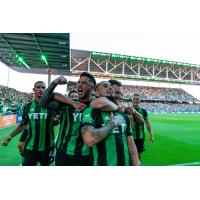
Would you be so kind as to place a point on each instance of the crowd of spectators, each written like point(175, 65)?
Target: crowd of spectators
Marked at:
point(168, 107)
point(155, 93)
point(169, 97)
point(11, 100)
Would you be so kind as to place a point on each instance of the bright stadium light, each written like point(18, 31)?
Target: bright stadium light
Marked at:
point(44, 59)
point(20, 59)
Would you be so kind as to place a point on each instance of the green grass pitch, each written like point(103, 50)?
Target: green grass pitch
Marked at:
point(177, 141)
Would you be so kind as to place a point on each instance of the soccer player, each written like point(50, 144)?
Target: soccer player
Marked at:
point(71, 150)
point(139, 137)
point(117, 86)
point(73, 95)
point(39, 121)
point(108, 133)
point(106, 105)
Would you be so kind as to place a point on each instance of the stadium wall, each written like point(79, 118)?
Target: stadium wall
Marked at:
point(9, 120)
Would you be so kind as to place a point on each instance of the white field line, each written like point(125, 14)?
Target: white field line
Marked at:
point(186, 164)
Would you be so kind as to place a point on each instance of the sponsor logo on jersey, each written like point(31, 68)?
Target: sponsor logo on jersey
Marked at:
point(77, 116)
point(37, 115)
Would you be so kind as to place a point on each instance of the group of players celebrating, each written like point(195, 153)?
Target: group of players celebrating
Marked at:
point(96, 129)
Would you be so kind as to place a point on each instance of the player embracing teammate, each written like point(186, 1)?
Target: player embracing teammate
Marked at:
point(93, 131)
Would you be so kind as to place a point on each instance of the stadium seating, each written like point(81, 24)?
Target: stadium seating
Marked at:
point(158, 100)
point(11, 100)
point(154, 100)
point(154, 93)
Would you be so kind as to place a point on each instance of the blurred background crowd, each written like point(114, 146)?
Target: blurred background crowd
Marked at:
point(154, 100)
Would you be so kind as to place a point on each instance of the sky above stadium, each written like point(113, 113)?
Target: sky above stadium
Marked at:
point(183, 47)
point(179, 47)
point(167, 30)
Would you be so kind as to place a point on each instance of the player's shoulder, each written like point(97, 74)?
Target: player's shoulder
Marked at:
point(88, 109)
point(28, 104)
point(144, 112)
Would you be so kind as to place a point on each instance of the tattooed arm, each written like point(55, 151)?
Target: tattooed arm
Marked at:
point(92, 136)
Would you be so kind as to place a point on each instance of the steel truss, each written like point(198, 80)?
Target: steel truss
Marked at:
point(124, 68)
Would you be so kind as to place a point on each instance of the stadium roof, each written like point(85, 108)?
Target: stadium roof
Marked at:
point(36, 52)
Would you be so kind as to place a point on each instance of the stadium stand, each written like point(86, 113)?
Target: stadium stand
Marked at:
point(154, 93)
point(154, 100)
point(159, 100)
point(11, 100)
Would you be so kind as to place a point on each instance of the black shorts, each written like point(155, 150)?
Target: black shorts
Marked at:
point(31, 158)
point(139, 144)
point(63, 159)
point(24, 136)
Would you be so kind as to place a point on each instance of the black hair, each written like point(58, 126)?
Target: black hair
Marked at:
point(39, 82)
point(90, 76)
point(72, 91)
point(115, 82)
point(137, 95)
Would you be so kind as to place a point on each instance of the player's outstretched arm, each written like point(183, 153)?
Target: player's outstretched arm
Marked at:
point(21, 127)
point(104, 104)
point(133, 154)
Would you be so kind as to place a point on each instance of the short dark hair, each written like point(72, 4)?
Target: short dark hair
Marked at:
point(72, 91)
point(39, 82)
point(90, 76)
point(115, 82)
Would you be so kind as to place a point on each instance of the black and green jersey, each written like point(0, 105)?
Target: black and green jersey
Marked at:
point(69, 139)
point(139, 128)
point(40, 127)
point(113, 150)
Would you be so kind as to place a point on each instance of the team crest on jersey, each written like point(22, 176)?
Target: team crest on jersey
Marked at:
point(87, 116)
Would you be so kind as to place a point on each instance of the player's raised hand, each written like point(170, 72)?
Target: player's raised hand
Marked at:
point(5, 141)
point(79, 105)
point(61, 80)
